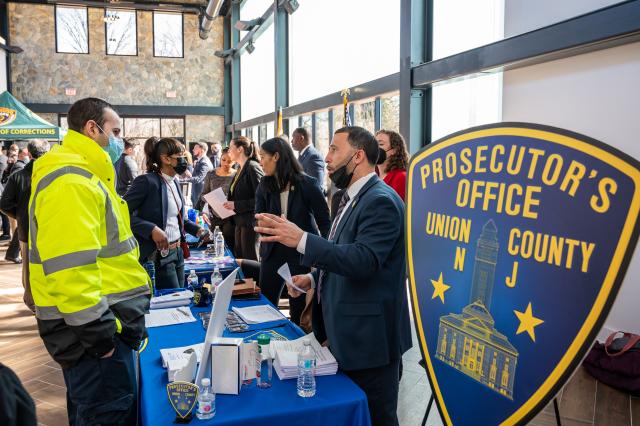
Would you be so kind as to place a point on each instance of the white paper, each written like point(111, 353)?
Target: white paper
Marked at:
point(179, 298)
point(216, 199)
point(179, 355)
point(258, 314)
point(286, 357)
point(285, 273)
point(162, 317)
point(187, 372)
point(217, 320)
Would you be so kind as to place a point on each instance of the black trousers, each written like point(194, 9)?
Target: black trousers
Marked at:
point(245, 243)
point(102, 391)
point(271, 284)
point(13, 251)
point(381, 386)
point(170, 269)
point(6, 230)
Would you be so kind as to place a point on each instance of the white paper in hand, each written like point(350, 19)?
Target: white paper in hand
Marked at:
point(216, 199)
point(285, 273)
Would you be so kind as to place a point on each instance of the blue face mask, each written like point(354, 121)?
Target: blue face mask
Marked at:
point(114, 148)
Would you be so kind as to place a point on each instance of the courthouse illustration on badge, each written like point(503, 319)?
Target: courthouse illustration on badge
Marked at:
point(469, 342)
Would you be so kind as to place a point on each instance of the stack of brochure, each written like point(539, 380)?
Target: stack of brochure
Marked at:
point(258, 314)
point(179, 298)
point(286, 358)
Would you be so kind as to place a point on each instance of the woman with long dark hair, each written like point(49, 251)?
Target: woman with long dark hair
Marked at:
point(242, 195)
point(394, 170)
point(286, 191)
point(157, 209)
point(221, 177)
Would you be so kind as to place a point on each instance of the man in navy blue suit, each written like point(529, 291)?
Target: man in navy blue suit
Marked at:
point(308, 157)
point(360, 304)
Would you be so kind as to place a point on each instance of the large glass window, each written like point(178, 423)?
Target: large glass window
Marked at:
point(172, 127)
point(365, 115)
point(338, 118)
point(466, 103)
point(321, 138)
point(347, 54)
point(460, 25)
point(121, 32)
point(72, 30)
point(141, 127)
point(257, 76)
point(391, 113)
point(168, 35)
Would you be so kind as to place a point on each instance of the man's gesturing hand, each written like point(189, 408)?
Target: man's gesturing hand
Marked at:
point(278, 229)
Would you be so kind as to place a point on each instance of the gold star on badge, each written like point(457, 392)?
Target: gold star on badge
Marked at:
point(439, 287)
point(528, 322)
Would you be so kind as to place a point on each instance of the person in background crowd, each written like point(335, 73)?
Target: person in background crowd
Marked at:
point(126, 169)
point(242, 195)
point(202, 166)
point(221, 177)
point(22, 160)
point(12, 157)
point(394, 170)
point(360, 278)
point(189, 158)
point(285, 191)
point(15, 203)
point(215, 154)
point(6, 230)
point(158, 211)
point(309, 158)
point(14, 164)
point(90, 292)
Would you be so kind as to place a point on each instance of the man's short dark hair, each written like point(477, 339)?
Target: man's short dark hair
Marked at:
point(84, 110)
point(203, 146)
point(38, 147)
point(360, 138)
point(128, 144)
point(302, 132)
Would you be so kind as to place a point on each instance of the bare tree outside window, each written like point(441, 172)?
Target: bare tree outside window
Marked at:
point(72, 34)
point(141, 127)
point(172, 128)
point(121, 32)
point(167, 35)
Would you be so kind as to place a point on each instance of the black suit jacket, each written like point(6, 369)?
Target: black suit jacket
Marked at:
point(14, 201)
point(148, 203)
point(306, 208)
point(363, 311)
point(243, 193)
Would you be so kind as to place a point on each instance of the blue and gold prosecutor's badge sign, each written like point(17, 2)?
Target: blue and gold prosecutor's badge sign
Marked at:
point(518, 237)
point(183, 397)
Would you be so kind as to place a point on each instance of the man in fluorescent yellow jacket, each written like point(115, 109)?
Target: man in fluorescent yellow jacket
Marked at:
point(90, 292)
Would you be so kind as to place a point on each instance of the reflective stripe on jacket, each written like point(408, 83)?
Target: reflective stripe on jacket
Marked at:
point(86, 281)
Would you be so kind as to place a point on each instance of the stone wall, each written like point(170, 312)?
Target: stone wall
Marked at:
point(40, 75)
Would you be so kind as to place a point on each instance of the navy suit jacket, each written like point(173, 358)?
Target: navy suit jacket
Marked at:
point(363, 311)
point(306, 207)
point(148, 203)
point(313, 164)
point(202, 167)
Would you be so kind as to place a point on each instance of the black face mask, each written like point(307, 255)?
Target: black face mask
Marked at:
point(181, 167)
point(340, 177)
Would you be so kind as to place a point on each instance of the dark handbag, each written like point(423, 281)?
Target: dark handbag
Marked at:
point(616, 362)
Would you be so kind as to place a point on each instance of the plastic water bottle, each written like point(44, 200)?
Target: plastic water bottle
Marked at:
point(306, 370)
point(206, 401)
point(216, 279)
point(264, 365)
point(218, 240)
point(192, 280)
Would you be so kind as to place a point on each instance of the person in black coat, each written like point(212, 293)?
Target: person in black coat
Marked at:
point(157, 210)
point(242, 195)
point(286, 191)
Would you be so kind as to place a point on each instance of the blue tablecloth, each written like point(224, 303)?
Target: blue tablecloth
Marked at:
point(338, 400)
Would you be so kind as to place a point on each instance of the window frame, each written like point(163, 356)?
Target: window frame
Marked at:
point(153, 33)
point(55, 27)
point(106, 42)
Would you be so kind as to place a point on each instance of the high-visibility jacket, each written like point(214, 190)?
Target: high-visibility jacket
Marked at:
point(86, 281)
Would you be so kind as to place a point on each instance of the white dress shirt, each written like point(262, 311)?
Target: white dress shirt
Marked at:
point(173, 225)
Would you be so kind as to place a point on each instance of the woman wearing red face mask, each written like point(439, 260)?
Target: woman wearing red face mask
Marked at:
point(394, 169)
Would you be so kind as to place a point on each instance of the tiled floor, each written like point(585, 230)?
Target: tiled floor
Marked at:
point(583, 401)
